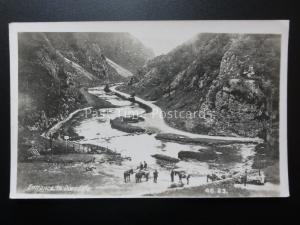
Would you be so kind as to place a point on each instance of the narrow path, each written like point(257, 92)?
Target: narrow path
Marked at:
point(155, 119)
point(57, 126)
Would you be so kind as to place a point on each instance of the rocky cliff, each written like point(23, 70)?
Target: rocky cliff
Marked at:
point(230, 84)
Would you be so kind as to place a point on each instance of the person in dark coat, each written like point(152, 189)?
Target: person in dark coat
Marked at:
point(245, 178)
point(141, 166)
point(180, 177)
point(188, 179)
point(155, 175)
point(172, 175)
point(145, 165)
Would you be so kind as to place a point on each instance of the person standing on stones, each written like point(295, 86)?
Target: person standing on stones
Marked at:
point(155, 175)
point(172, 175)
point(145, 165)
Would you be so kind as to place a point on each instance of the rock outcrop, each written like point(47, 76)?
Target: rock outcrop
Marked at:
point(122, 124)
point(231, 81)
point(165, 158)
point(201, 156)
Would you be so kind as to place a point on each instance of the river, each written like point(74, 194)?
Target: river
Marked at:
point(97, 130)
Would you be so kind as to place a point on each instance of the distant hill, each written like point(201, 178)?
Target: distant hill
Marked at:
point(122, 48)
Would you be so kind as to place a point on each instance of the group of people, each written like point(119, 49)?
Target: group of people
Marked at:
point(144, 166)
point(181, 175)
point(143, 172)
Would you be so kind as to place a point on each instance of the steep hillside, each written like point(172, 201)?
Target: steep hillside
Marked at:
point(230, 81)
point(121, 70)
point(84, 52)
point(49, 79)
point(122, 48)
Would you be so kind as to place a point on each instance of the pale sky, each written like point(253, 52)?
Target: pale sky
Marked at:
point(162, 39)
point(162, 42)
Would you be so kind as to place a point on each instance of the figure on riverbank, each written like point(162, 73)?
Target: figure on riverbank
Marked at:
point(155, 175)
point(245, 178)
point(147, 174)
point(180, 177)
point(140, 174)
point(127, 175)
point(188, 179)
point(172, 175)
point(145, 165)
point(141, 166)
point(138, 177)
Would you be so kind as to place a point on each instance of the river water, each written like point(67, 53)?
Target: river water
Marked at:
point(97, 130)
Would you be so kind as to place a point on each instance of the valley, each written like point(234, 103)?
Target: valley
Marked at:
point(220, 75)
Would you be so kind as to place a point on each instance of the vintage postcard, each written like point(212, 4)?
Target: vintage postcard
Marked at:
point(149, 109)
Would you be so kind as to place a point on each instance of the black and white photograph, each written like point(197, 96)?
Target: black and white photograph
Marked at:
point(149, 109)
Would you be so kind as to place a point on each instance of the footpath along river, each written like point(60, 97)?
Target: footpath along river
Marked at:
point(97, 130)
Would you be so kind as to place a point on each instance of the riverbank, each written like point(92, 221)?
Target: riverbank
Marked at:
point(263, 158)
point(65, 126)
point(206, 141)
point(34, 144)
point(223, 189)
point(229, 187)
point(157, 119)
point(98, 132)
